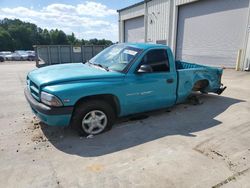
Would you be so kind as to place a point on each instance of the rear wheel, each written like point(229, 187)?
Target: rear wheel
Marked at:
point(93, 117)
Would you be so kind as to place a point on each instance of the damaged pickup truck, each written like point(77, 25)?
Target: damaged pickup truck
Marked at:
point(121, 80)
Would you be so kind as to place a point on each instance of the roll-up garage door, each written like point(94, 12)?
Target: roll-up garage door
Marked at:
point(211, 32)
point(134, 30)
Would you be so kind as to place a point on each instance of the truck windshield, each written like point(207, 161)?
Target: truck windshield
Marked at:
point(115, 57)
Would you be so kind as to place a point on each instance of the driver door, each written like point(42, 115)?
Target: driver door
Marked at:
point(154, 87)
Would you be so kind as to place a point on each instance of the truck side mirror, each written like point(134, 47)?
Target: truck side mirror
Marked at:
point(145, 69)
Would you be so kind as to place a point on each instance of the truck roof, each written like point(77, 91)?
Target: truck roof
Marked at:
point(146, 45)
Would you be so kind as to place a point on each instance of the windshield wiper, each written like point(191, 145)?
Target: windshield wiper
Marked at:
point(86, 62)
point(100, 65)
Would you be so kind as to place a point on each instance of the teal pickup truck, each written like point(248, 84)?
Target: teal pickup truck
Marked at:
point(121, 80)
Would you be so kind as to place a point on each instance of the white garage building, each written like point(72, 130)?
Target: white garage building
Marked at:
point(211, 32)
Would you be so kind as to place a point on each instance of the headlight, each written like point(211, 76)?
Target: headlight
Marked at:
point(50, 99)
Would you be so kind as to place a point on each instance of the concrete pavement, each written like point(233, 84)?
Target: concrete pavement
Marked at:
point(187, 146)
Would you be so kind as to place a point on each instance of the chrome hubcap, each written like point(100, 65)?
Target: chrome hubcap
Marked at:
point(94, 122)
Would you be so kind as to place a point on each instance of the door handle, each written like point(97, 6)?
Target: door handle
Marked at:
point(170, 80)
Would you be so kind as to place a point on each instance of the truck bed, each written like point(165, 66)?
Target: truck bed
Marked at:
point(189, 73)
point(180, 65)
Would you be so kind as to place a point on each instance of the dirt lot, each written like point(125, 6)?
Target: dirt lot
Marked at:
point(187, 146)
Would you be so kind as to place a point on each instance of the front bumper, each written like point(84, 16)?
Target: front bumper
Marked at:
point(54, 116)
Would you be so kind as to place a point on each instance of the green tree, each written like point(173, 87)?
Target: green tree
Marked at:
point(24, 34)
point(99, 42)
point(72, 39)
point(58, 37)
point(46, 37)
point(16, 34)
point(6, 42)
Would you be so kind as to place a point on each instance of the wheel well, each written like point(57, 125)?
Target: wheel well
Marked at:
point(200, 85)
point(109, 98)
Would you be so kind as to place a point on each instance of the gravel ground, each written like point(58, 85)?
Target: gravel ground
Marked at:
point(206, 145)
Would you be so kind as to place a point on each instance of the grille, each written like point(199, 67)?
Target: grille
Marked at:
point(34, 89)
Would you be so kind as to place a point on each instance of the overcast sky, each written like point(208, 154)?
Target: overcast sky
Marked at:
point(87, 19)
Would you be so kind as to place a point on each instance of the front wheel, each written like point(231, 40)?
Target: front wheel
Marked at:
point(93, 117)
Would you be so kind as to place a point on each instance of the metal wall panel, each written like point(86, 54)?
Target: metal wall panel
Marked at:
point(212, 31)
point(247, 59)
point(88, 53)
point(97, 49)
point(43, 52)
point(134, 30)
point(158, 21)
point(246, 64)
point(77, 55)
point(132, 12)
point(182, 2)
point(56, 54)
point(65, 54)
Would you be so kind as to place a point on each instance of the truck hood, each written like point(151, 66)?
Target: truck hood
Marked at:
point(69, 72)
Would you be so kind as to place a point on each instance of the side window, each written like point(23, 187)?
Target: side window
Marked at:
point(157, 59)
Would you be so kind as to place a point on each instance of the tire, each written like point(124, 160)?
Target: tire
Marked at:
point(83, 120)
